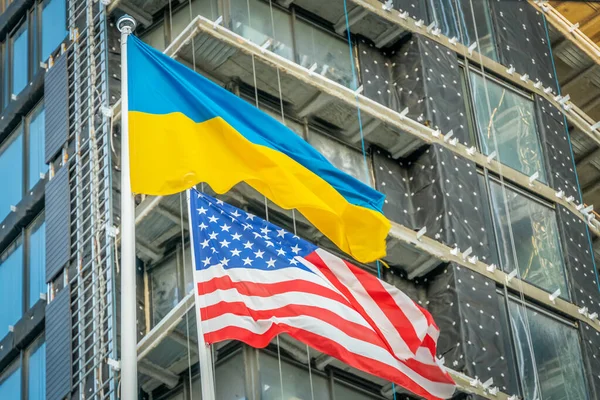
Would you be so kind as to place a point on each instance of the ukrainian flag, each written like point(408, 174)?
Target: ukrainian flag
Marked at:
point(184, 129)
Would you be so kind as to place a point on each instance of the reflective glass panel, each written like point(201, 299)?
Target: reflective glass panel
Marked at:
point(476, 23)
point(346, 392)
point(20, 59)
point(341, 156)
point(535, 234)
point(230, 383)
point(445, 14)
point(165, 288)
point(10, 382)
point(36, 377)
point(37, 259)
point(11, 172)
point(548, 356)
point(11, 287)
point(37, 166)
point(252, 20)
point(506, 124)
point(54, 25)
point(181, 18)
point(330, 53)
point(296, 381)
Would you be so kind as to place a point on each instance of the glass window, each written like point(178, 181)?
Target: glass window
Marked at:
point(341, 156)
point(37, 259)
point(445, 15)
point(331, 54)
point(165, 288)
point(230, 382)
point(10, 382)
point(252, 19)
point(36, 385)
point(20, 59)
point(296, 381)
point(476, 24)
point(11, 287)
point(155, 37)
point(507, 121)
point(11, 172)
point(345, 392)
point(54, 25)
point(548, 355)
point(181, 18)
point(535, 233)
point(37, 165)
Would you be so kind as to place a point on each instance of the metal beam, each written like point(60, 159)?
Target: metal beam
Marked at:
point(145, 207)
point(172, 216)
point(149, 251)
point(314, 104)
point(138, 13)
point(285, 3)
point(355, 15)
point(186, 341)
point(366, 130)
point(388, 36)
point(160, 374)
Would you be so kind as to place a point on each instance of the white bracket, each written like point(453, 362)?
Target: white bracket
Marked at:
point(510, 276)
point(587, 210)
point(564, 99)
point(404, 113)
point(403, 14)
point(312, 69)
point(524, 77)
point(473, 259)
point(419, 23)
point(583, 311)
point(436, 133)
point(431, 26)
point(511, 70)
point(491, 268)
point(493, 391)
point(472, 47)
point(471, 150)
point(475, 382)
point(488, 383)
point(13, 208)
point(595, 126)
point(43, 296)
point(537, 84)
point(359, 90)
point(554, 295)
point(436, 32)
point(593, 316)
point(559, 194)
point(43, 65)
point(11, 328)
point(548, 90)
point(454, 251)
point(421, 232)
point(13, 97)
point(114, 364)
point(574, 27)
point(107, 111)
point(113, 231)
point(266, 45)
point(491, 156)
point(448, 135)
point(570, 199)
point(513, 397)
point(533, 177)
point(467, 253)
point(453, 40)
point(388, 5)
point(218, 22)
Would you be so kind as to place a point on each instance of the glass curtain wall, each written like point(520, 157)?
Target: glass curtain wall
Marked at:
point(11, 171)
point(11, 286)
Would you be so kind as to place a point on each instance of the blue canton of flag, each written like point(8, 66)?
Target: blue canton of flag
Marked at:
point(233, 238)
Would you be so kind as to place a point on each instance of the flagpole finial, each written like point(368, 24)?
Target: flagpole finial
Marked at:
point(126, 24)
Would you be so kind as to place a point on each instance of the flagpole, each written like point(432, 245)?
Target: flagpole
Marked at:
point(207, 379)
point(129, 387)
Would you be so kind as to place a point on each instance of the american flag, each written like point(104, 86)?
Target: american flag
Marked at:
point(255, 280)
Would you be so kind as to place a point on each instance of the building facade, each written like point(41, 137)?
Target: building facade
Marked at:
point(453, 109)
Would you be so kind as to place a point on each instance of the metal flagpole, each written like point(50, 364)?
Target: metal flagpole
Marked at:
point(129, 387)
point(207, 380)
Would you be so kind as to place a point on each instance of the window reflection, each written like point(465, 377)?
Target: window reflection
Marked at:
point(548, 356)
point(10, 382)
point(37, 164)
point(507, 121)
point(181, 18)
point(20, 59)
point(535, 234)
point(11, 287)
point(296, 381)
point(345, 392)
point(165, 288)
point(37, 259)
point(331, 54)
point(54, 25)
point(36, 377)
point(11, 172)
point(252, 20)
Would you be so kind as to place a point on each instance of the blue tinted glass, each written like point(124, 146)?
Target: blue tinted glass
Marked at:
point(37, 374)
point(37, 166)
point(11, 173)
point(11, 287)
point(20, 60)
point(10, 384)
point(54, 17)
point(37, 262)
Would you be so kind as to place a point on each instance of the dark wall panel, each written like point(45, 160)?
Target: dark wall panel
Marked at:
point(56, 88)
point(465, 306)
point(522, 40)
point(58, 346)
point(58, 230)
point(579, 260)
point(561, 169)
point(590, 339)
